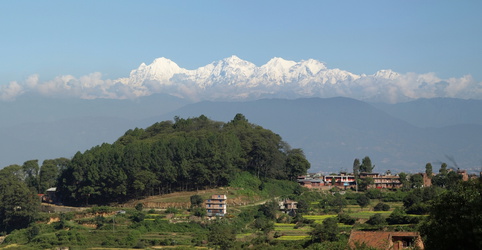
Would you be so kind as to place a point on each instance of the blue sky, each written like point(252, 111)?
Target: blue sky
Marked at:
point(52, 38)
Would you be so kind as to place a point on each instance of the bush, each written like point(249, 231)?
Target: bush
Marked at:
point(346, 219)
point(394, 196)
point(418, 208)
point(374, 193)
point(376, 220)
point(139, 206)
point(381, 207)
point(172, 210)
point(398, 216)
point(362, 200)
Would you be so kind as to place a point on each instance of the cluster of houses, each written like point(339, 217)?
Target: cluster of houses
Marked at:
point(216, 206)
point(344, 180)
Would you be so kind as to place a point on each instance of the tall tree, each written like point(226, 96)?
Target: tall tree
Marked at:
point(454, 220)
point(441, 179)
point(48, 175)
point(327, 231)
point(405, 182)
point(221, 235)
point(366, 165)
point(416, 180)
point(356, 171)
point(356, 167)
point(296, 163)
point(31, 169)
point(429, 170)
point(18, 204)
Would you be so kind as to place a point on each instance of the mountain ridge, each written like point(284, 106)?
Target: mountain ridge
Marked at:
point(233, 78)
point(331, 131)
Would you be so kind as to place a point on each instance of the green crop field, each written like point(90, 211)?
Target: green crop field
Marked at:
point(319, 218)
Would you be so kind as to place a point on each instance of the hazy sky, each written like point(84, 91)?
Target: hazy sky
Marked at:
point(53, 38)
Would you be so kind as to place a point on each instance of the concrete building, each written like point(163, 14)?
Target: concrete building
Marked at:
point(217, 205)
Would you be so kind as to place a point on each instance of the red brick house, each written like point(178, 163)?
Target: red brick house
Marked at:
point(386, 240)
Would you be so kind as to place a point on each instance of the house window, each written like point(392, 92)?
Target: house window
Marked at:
point(209, 210)
point(209, 205)
point(221, 205)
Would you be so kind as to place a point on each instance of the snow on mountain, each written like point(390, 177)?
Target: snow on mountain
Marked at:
point(233, 71)
point(161, 70)
point(234, 79)
point(386, 74)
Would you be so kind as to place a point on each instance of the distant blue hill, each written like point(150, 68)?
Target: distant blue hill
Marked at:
point(332, 132)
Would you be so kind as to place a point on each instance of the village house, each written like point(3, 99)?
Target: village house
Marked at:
point(288, 206)
point(386, 240)
point(344, 180)
point(310, 182)
point(383, 181)
point(216, 205)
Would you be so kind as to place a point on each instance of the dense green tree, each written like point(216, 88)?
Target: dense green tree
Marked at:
point(296, 163)
point(269, 209)
point(416, 180)
point(356, 167)
point(187, 154)
point(381, 207)
point(429, 170)
point(376, 220)
point(443, 169)
point(406, 185)
point(362, 200)
point(417, 200)
point(18, 204)
point(221, 235)
point(303, 206)
point(196, 200)
point(364, 183)
point(337, 202)
point(453, 179)
point(31, 169)
point(346, 219)
point(48, 175)
point(399, 216)
point(366, 165)
point(454, 220)
point(327, 231)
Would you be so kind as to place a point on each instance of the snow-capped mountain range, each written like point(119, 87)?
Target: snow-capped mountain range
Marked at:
point(235, 79)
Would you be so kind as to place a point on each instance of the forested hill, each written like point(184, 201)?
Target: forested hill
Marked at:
point(183, 154)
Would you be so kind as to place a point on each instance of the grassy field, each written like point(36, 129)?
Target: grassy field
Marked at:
point(236, 197)
point(287, 231)
point(319, 218)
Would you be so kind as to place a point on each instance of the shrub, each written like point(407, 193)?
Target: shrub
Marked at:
point(376, 220)
point(398, 216)
point(374, 193)
point(139, 206)
point(381, 207)
point(346, 219)
point(362, 200)
point(172, 210)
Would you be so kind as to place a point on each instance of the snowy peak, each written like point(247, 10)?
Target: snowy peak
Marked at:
point(279, 64)
point(235, 71)
point(386, 74)
point(161, 70)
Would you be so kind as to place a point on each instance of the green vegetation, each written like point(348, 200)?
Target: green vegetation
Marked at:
point(188, 160)
point(189, 154)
